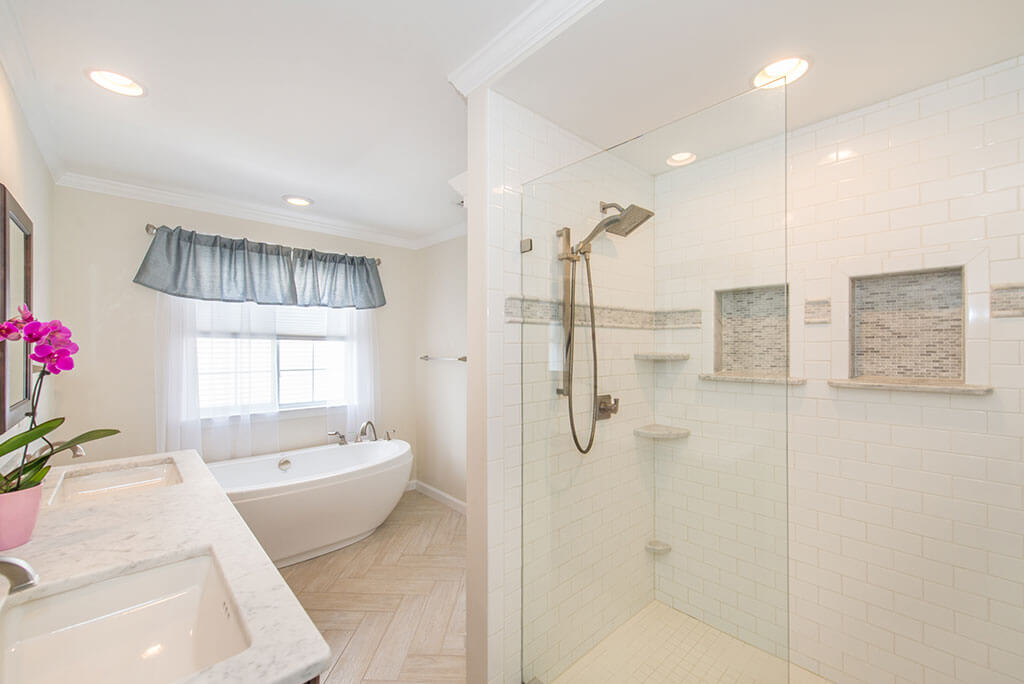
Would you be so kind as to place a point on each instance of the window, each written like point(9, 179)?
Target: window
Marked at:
point(310, 372)
point(266, 359)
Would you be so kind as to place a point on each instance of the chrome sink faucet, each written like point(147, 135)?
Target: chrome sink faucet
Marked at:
point(341, 438)
point(19, 573)
point(362, 431)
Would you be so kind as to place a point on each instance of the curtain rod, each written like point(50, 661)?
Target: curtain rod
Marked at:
point(151, 230)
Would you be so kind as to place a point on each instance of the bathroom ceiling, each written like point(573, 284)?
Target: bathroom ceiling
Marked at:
point(629, 66)
point(342, 101)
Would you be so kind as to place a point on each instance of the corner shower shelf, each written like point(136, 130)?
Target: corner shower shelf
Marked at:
point(909, 385)
point(736, 376)
point(658, 547)
point(655, 431)
point(661, 356)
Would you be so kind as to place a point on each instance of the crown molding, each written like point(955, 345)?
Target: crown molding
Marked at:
point(444, 235)
point(539, 23)
point(242, 210)
point(22, 76)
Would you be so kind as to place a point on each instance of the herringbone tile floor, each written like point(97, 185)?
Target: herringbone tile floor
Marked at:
point(393, 606)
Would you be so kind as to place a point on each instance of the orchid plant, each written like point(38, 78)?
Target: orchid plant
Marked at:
point(52, 348)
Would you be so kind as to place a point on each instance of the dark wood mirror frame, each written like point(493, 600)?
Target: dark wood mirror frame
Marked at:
point(14, 218)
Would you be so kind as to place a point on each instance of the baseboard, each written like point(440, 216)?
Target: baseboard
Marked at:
point(437, 495)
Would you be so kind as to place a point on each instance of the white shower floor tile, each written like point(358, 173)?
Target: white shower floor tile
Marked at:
point(660, 645)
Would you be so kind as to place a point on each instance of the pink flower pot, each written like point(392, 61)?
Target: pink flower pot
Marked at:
point(18, 513)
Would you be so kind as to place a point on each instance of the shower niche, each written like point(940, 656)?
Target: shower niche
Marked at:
point(908, 326)
point(752, 335)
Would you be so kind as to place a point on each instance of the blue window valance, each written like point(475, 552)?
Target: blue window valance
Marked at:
point(185, 263)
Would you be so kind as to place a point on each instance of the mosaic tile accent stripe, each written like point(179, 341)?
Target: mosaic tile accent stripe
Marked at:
point(908, 325)
point(1008, 301)
point(531, 310)
point(751, 334)
point(679, 318)
point(817, 311)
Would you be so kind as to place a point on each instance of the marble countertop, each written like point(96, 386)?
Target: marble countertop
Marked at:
point(76, 543)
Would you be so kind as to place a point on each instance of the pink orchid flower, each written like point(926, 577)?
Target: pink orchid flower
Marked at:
point(26, 315)
point(52, 340)
point(12, 329)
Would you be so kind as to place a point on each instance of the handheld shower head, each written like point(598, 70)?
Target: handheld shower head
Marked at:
point(622, 223)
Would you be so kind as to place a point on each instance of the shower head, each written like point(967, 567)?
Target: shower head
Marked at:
point(623, 223)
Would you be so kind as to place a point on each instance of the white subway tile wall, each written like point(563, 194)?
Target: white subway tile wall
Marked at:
point(521, 146)
point(586, 518)
point(721, 493)
point(906, 510)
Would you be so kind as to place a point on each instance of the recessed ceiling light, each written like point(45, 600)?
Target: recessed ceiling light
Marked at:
point(297, 201)
point(784, 71)
point(116, 83)
point(681, 159)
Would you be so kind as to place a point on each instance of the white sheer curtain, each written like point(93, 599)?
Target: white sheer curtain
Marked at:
point(228, 384)
point(177, 394)
point(361, 369)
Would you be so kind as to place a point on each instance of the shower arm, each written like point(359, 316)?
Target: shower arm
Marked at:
point(584, 244)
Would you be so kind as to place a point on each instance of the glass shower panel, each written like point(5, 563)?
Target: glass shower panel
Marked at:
point(661, 552)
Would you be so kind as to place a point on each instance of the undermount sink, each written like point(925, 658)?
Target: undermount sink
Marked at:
point(105, 481)
point(157, 626)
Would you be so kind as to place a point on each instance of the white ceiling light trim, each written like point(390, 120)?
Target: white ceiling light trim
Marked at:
point(541, 22)
point(297, 200)
point(115, 82)
point(212, 205)
point(681, 159)
point(784, 71)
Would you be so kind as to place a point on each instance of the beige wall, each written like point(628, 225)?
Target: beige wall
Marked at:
point(441, 385)
point(99, 241)
point(24, 172)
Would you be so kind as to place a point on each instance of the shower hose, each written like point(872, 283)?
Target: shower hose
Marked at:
point(569, 343)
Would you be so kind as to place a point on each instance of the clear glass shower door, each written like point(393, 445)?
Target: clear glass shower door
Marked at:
point(660, 555)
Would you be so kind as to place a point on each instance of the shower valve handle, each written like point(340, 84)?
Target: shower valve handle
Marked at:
point(606, 407)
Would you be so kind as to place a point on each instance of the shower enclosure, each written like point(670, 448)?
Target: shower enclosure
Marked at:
point(654, 522)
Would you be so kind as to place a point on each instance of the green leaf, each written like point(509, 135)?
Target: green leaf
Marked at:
point(25, 470)
point(31, 467)
point(90, 436)
point(29, 436)
point(35, 479)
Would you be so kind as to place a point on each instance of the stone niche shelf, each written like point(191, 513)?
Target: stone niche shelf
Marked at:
point(942, 386)
point(736, 376)
point(655, 431)
point(661, 356)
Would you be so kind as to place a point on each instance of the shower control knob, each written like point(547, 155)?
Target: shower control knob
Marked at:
point(606, 407)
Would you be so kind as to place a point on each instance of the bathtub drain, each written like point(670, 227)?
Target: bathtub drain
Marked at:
point(284, 464)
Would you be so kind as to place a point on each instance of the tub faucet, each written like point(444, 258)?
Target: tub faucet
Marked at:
point(341, 438)
point(19, 573)
point(362, 431)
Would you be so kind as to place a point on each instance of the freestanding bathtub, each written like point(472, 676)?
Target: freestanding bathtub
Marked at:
point(307, 502)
